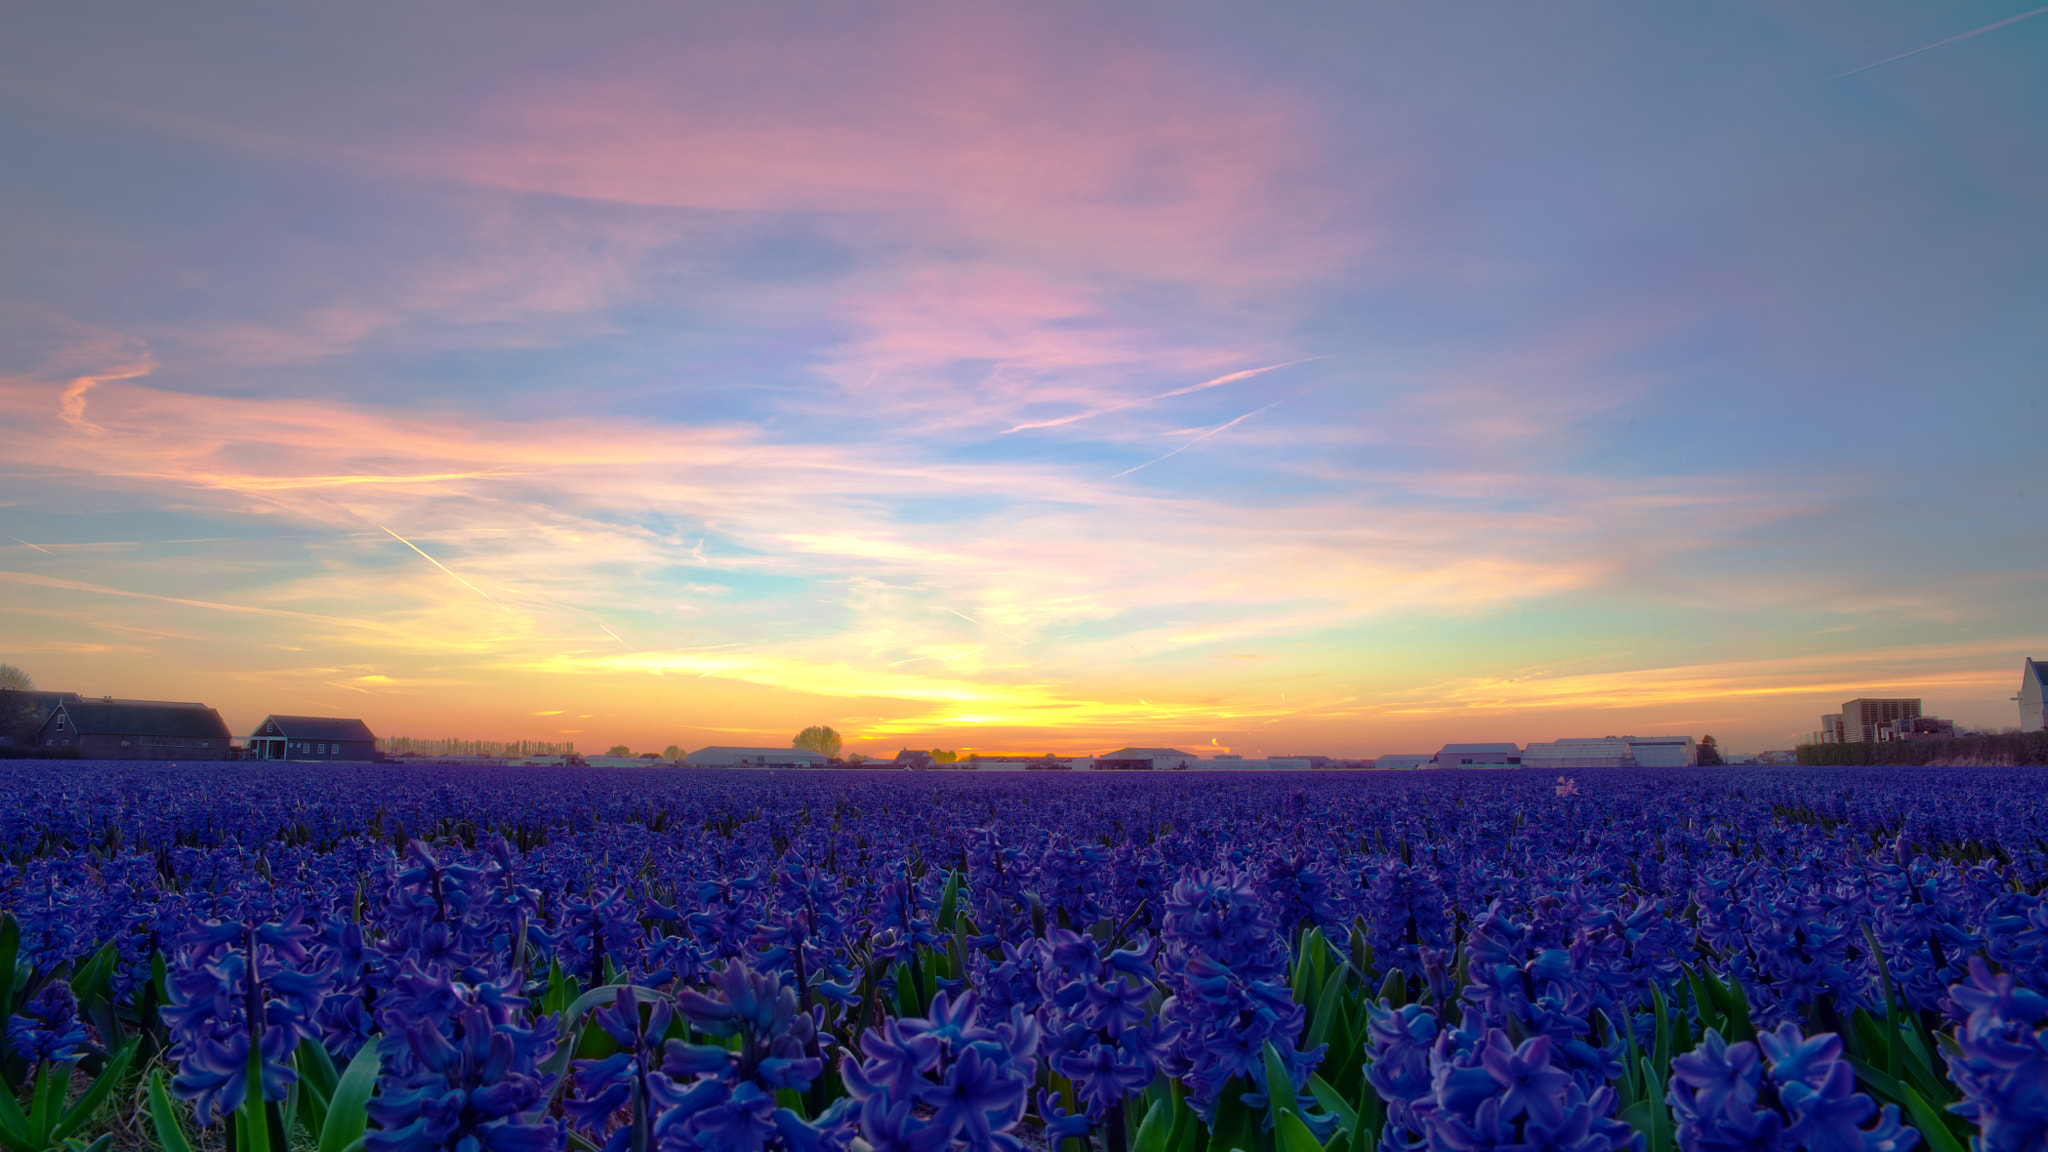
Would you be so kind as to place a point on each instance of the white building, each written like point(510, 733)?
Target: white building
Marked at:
point(1613, 752)
point(1479, 756)
point(755, 758)
point(2033, 696)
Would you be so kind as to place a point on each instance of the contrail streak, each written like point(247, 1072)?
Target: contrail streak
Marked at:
point(612, 634)
point(1939, 43)
point(990, 627)
point(1230, 378)
point(453, 576)
point(37, 547)
point(1209, 433)
point(940, 659)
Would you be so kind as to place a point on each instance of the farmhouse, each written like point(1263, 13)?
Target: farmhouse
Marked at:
point(23, 712)
point(110, 729)
point(312, 738)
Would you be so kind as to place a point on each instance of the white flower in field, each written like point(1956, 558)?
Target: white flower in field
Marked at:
point(1567, 786)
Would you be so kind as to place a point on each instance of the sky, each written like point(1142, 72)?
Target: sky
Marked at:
point(1314, 378)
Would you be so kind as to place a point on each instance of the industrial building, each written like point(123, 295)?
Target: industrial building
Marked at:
point(1861, 719)
point(1868, 720)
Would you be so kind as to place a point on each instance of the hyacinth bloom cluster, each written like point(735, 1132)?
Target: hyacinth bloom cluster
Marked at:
point(463, 1071)
point(928, 1084)
point(804, 933)
point(47, 1029)
point(236, 987)
point(2001, 1062)
point(1228, 971)
point(1796, 1093)
point(1539, 979)
point(1472, 1089)
point(1099, 1028)
point(685, 1097)
point(1406, 910)
point(622, 1079)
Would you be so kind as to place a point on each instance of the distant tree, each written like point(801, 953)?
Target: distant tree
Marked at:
point(619, 750)
point(671, 753)
point(817, 738)
point(1710, 752)
point(855, 758)
point(15, 678)
point(941, 756)
point(17, 718)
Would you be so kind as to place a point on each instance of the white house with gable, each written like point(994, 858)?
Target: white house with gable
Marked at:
point(2033, 696)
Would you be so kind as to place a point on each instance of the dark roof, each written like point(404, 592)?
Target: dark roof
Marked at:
point(41, 703)
point(145, 718)
point(1475, 749)
point(2039, 668)
point(318, 728)
point(1147, 754)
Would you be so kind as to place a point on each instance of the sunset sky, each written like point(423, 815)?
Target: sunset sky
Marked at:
point(1341, 378)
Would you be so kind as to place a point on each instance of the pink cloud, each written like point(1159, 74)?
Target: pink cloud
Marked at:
point(1040, 136)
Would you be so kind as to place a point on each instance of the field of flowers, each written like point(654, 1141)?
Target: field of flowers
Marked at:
point(392, 959)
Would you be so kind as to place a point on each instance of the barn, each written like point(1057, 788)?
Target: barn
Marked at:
point(312, 738)
point(110, 729)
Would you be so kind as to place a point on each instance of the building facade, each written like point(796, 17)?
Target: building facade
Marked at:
point(312, 738)
point(110, 729)
point(1861, 719)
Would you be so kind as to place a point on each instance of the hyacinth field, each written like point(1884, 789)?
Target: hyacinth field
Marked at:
point(394, 959)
